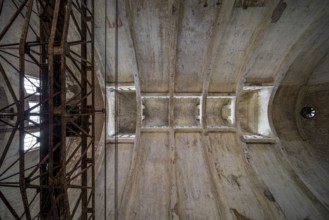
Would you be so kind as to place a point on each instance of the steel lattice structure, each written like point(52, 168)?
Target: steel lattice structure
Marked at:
point(47, 147)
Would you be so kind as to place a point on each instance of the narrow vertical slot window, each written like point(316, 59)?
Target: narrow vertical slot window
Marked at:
point(31, 85)
point(31, 141)
point(36, 110)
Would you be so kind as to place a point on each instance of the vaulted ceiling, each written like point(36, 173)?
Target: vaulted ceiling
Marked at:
point(209, 109)
point(219, 87)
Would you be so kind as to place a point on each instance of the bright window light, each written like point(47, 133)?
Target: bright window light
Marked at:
point(30, 141)
point(31, 84)
point(34, 118)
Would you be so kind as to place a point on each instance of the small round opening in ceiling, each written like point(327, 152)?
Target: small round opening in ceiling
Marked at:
point(308, 112)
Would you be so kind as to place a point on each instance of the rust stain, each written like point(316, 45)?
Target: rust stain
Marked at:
point(278, 11)
point(239, 216)
point(269, 195)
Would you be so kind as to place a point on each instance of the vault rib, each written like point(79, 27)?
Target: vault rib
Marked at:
point(174, 25)
point(126, 202)
point(218, 31)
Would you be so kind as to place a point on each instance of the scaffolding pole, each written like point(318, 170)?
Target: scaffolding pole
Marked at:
point(55, 48)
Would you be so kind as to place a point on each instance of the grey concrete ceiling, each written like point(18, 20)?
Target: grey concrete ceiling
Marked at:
point(203, 49)
point(223, 41)
point(215, 48)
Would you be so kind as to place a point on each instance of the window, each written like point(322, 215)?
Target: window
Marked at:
point(31, 85)
point(34, 118)
point(31, 141)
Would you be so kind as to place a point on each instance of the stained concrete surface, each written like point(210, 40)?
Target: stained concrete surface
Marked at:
point(218, 47)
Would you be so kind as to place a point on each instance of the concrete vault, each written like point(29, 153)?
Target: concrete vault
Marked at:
point(164, 109)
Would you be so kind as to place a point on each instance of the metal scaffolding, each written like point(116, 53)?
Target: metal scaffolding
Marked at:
point(47, 133)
